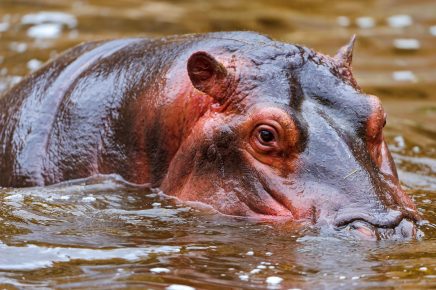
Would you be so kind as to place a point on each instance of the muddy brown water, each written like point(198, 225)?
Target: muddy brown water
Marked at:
point(107, 234)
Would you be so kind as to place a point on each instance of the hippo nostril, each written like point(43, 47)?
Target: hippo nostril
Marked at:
point(363, 230)
point(406, 229)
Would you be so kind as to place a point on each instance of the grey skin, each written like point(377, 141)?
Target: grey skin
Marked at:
point(235, 120)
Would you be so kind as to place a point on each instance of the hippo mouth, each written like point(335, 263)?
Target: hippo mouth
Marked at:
point(394, 225)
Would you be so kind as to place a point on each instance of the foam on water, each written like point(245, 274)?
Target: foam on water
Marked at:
point(45, 31)
point(407, 44)
point(365, 22)
point(399, 21)
point(50, 17)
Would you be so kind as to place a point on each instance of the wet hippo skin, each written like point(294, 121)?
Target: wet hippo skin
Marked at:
point(235, 120)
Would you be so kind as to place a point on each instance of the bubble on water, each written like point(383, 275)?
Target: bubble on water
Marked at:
point(250, 253)
point(168, 12)
point(50, 17)
point(65, 197)
point(343, 21)
point(261, 267)
point(19, 47)
point(89, 198)
point(34, 64)
point(355, 278)
point(197, 248)
point(15, 80)
point(49, 198)
point(4, 26)
point(416, 149)
point(268, 254)
point(423, 269)
point(432, 30)
point(365, 22)
point(255, 271)
point(179, 287)
point(407, 44)
point(158, 270)
point(274, 280)
point(45, 31)
point(426, 201)
point(244, 277)
point(398, 21)
point(15, 197)
point(401, 143)
point(404, 76)
point(342, 277)
point(156, 204)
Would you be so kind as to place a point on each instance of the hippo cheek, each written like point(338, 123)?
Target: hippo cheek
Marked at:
point(288, 191)
point(215, 175)
point(231, 197)
point(202, 191)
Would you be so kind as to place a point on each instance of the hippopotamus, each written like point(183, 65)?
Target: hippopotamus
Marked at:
point(240, 122)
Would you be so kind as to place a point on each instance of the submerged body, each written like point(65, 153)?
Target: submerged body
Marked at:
point(248, 125)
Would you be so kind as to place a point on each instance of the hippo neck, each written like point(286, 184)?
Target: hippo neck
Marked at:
point(161, 132)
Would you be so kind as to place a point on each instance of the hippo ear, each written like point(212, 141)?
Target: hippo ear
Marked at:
point(345, 53)
point(207, 74)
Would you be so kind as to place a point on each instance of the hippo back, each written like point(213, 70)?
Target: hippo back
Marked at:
point(99, 108)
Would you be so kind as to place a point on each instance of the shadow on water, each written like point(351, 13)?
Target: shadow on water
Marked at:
point(109, 234)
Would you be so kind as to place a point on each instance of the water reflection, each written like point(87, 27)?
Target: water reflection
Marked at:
point(77, 226)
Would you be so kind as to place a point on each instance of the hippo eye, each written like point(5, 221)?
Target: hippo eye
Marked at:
point(265, 138)
point(266, 135)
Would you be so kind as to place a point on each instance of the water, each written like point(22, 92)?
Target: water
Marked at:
point(105, 233)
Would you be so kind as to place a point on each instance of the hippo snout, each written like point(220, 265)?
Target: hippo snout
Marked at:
point(392, 226)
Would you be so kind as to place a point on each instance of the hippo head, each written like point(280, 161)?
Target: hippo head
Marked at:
point(290, 134)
